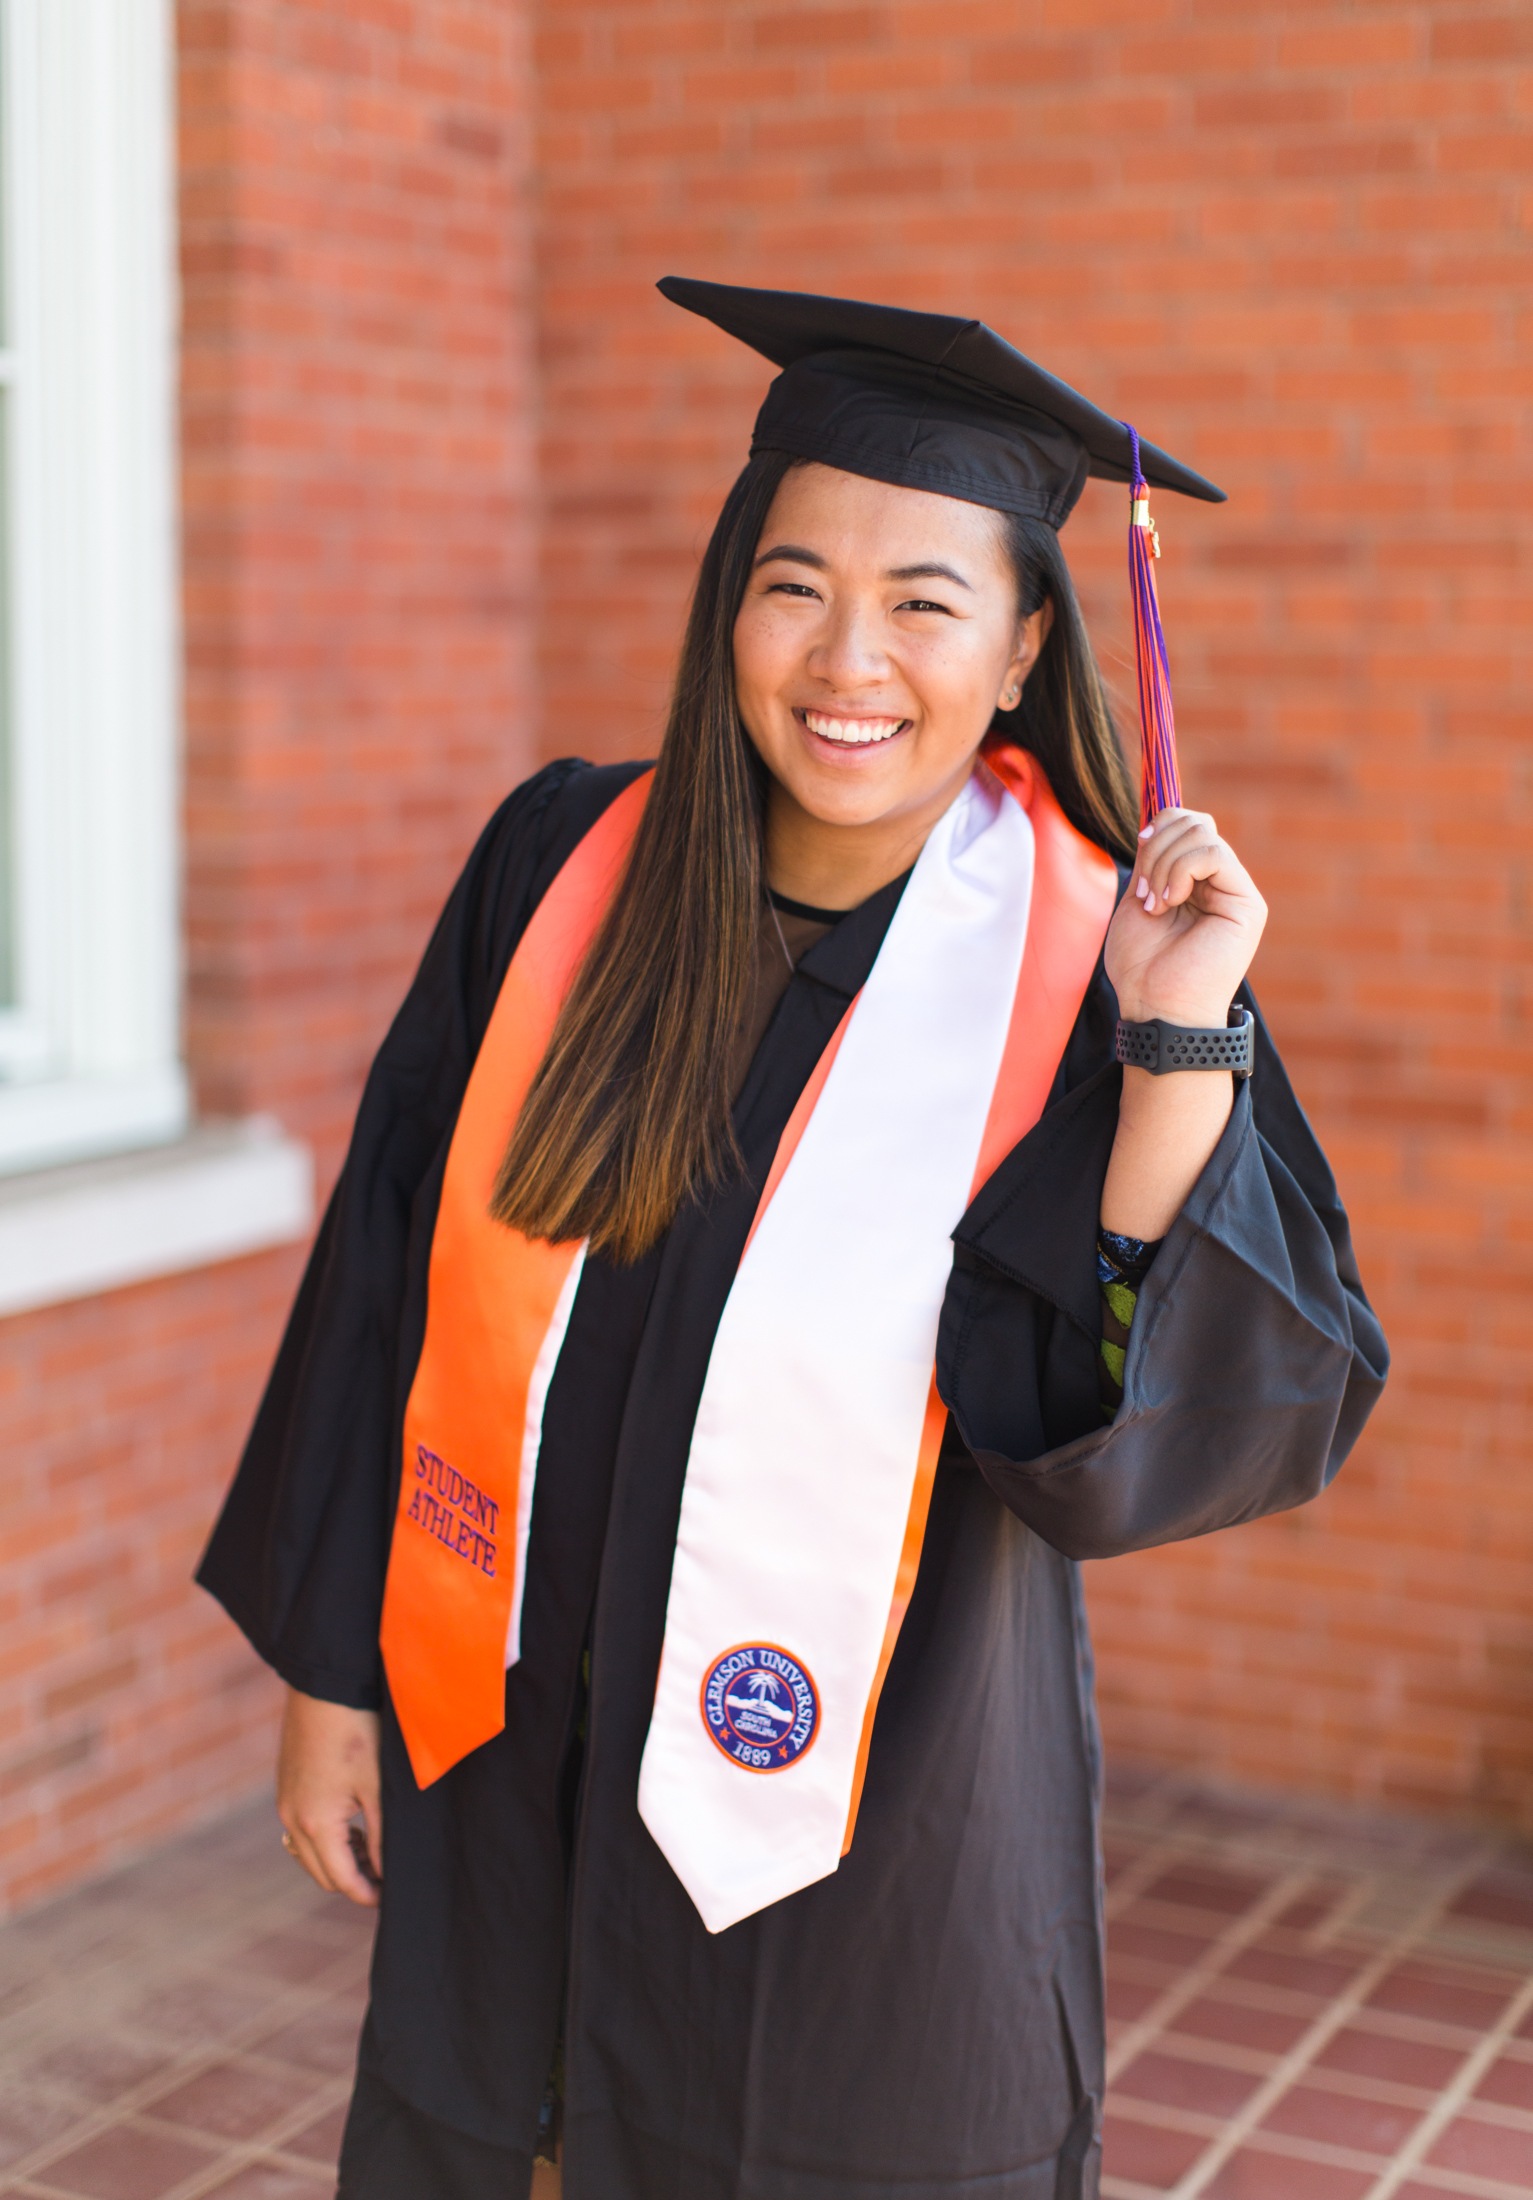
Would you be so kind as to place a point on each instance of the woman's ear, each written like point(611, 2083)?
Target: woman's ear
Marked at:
point(1032, 633)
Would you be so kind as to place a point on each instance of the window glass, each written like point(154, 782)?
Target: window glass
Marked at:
point(89, 1039)
point(7, 852)
point(7, 364)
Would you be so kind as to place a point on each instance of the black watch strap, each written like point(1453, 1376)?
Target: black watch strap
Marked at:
point(1161, 1048)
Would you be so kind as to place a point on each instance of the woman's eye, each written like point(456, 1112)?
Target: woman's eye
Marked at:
point(793, 588)
point(919, 603)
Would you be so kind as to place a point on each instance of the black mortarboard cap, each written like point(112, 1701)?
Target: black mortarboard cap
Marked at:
point(927, 401)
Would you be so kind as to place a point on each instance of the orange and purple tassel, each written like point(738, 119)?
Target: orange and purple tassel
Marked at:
point(1162, 785)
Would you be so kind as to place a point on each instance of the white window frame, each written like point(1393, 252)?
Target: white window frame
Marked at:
point(89, 1052)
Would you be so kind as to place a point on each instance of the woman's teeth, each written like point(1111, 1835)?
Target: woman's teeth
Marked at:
point(858, 732)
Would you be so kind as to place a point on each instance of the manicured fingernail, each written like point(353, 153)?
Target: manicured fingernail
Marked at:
point(1142, 888)
point(1146, 832)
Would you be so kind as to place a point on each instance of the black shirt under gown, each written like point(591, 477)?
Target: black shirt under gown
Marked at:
point(928, 2019)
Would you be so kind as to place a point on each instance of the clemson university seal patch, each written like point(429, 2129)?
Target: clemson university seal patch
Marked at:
point(760, 1706)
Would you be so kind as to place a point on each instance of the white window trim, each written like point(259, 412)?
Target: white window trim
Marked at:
point(90, 1051)
point(224, 1190)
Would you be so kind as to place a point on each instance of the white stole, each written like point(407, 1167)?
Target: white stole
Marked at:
point(804, 1455)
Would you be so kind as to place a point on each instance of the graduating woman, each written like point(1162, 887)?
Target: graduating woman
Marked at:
point(816, 1192)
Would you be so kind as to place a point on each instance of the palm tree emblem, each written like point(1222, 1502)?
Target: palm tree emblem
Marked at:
point(762, 1684)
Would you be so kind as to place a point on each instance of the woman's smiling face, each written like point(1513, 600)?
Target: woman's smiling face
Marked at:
point(878, 633)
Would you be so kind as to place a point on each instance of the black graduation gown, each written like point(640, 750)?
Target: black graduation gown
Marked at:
point(930, 2017)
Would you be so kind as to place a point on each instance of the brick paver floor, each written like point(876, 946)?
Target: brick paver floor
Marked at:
point(187, 2026)
point(1305, 2004)
point(1309, 2004)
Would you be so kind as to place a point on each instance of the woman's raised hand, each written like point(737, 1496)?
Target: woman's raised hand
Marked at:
point(1185, 932)
point(327, 1772)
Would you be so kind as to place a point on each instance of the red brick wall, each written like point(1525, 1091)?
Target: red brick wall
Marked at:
point(1292, 244)
point(128, 1704)
point(358, 512)
point(359, 557)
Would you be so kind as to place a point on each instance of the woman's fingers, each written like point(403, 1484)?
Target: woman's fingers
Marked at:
point(329, 1855)
point(327, 1774)
point(335, 1853)
point(1156, 844)
point(1186, 969)
point(347, 1874)
point(1167, 837)
point(1183, 869)
point(303, 1846)
point(1180, 849)
point(367, 1841)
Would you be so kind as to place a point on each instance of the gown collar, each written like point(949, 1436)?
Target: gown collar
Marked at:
point(842, 960)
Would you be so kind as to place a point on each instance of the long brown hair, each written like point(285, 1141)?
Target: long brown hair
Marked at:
point(629, 1114)
point(1064, 717)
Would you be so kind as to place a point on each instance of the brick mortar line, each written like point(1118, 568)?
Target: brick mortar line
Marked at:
point(1324, 2028)
point(1407, 1843)
point(294, 2003)
point(1383, 2023)
point(1289, 2145)
point(126, 1912)
point(1236, 1935)
point(1453, 2097)
point(1369, 1879)
point(106, 2011)
point(1134, 1877)
point(1197, 2123)
point(1323, 2154)
point(1388, 2094)
point(1187, 2047)
point(1188, 1919)
point(1153, 1817)
point(63, 2001)
point(1456, 1948)
point(270, 2136)
point(239, 2154)
point(1462, 2184)
point(1311, 1940)
point(1260, 1850)
point(1253, 2063)
point(1347, 1912)
point(1498, 2115)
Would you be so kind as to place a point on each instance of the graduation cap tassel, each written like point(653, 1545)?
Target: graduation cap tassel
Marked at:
point(1161, 782)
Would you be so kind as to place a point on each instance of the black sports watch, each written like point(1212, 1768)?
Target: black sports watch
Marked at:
point(1161, 1048)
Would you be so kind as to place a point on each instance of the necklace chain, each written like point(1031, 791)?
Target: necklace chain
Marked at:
point(781, 936)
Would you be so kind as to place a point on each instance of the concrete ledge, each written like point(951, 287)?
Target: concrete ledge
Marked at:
point(58, 1120)
point(223, 1190)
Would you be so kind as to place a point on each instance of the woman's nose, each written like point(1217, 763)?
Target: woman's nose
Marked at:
point(849, 651)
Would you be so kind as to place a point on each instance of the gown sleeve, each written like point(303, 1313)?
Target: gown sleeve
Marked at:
point(299, 1553)
point(1253, 1358)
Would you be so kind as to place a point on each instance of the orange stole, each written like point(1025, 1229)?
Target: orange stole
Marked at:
point(490, 1299)
point(492, 1292)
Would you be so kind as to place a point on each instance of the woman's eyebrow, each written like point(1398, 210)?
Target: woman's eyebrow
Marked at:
point(793, 550)
point(930, 572)
point(797, 554)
